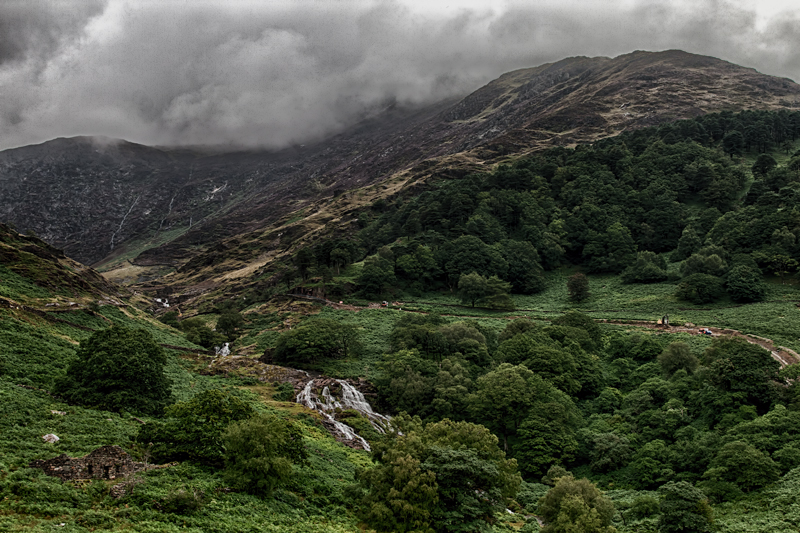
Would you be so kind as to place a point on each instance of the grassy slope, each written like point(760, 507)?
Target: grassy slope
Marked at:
point(31, 501)
point(35, 351)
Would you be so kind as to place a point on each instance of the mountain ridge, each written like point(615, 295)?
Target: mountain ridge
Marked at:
point(104, 202)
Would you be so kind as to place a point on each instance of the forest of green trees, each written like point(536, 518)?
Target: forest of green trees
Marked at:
point(624, 205)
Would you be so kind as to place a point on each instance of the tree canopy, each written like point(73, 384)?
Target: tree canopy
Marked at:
point(443, 477)
point(118, 368)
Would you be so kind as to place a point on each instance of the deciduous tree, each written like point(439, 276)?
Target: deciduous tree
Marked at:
point(443, 477)
point(578, 287)
point(684, 509)
point(118, 368)
point(192, 430)
point(260, 453)
point(574, 505)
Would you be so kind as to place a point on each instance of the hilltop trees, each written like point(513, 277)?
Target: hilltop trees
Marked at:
point(619, 205)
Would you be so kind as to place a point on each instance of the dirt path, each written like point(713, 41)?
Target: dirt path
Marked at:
point(783, 355)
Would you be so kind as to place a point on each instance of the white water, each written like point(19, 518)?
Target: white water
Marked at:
point(351, 399)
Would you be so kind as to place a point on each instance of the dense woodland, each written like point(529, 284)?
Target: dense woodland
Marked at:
point(501, 418)
point(625, 205)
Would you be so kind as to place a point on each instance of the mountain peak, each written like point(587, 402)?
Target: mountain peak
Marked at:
point(110, 199)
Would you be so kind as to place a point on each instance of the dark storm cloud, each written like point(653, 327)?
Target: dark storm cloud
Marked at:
point(272, 74)
point(39, 29)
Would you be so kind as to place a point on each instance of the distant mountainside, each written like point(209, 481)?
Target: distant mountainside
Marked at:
point(103, 200)
point(32, 270)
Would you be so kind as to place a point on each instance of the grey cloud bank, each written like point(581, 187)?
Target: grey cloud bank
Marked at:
point(269, 75)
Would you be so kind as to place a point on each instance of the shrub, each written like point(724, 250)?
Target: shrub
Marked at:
point(283, 392)
point(183, 501)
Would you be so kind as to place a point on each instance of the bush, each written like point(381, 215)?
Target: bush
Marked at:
point(183, 501)
point(118, 368)
point(283, 392)
point(700, 289)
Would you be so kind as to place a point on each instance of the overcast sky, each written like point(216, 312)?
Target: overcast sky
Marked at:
point(271, 73)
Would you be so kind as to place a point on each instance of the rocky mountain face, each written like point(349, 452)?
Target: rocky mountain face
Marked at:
point(105, 200)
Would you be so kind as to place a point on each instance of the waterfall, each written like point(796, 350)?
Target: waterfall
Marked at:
point(351, 398)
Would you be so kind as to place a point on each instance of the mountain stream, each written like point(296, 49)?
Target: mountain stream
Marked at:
point(326, 403)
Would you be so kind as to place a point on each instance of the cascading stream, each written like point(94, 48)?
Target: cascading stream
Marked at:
point(351, 398)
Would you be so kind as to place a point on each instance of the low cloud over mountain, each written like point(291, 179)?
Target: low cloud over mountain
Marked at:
point(272, 74)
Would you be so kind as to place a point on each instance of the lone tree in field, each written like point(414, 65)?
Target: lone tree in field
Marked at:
point(118, 368)
point(491, 292)
point(578, 287)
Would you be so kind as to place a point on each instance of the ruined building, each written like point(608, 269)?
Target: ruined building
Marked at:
point(107, 462)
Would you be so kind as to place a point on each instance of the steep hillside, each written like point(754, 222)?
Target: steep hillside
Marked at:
point(105, 201)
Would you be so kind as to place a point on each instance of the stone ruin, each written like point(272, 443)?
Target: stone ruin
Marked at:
point(107, 462)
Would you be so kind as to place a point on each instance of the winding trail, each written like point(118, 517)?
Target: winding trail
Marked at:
point(785, 356)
